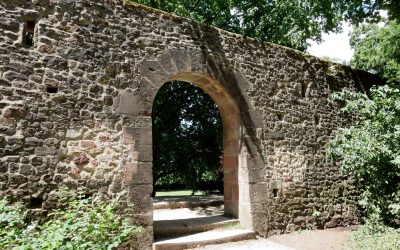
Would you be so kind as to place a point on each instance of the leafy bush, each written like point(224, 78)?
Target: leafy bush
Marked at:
point(375, 237)
point(82, 224)
point(370, 149)
point(11, 223)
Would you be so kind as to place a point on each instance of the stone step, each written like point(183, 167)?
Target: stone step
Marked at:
point(186, 202)
point(168, 222)
point(203, 239)
point(187, 213)
point(192, 225)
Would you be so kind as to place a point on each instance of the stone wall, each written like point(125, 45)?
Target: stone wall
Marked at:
point(76, 101)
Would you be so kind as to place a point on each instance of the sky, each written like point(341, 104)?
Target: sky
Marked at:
point(333, 45)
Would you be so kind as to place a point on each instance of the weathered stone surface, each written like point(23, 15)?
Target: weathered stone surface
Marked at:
point(75, 110)
point(131, 103)
point(138, 136)
point(138, 173)
point(140, 197)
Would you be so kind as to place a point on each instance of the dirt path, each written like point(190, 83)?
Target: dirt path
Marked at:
point(329, 239)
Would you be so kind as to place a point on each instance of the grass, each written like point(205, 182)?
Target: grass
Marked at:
point(232, 226)
point(186, 192)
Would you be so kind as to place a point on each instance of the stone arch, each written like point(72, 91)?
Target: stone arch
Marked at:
point(231, 122)
point(226, 87)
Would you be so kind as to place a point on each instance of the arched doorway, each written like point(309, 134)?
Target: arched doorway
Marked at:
point(170, 223)
point(231, 124)
point(187, 144)
point(226, 95)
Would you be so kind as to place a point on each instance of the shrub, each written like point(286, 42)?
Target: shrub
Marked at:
point(81, 224)
point(374, 236)
point(370, 149)
point(11, 223)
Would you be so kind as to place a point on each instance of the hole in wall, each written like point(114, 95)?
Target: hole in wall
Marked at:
point(275, 191)
point(52, 89)
point(29, 39)
point(280, 116)
point(29, 33)
point(303, 89)
point(86, 196)
point(36, 202)
point(316, 119)
point(30, 25)
point(152, 69)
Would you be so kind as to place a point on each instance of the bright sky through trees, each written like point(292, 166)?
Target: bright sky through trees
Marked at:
point(337, 46)
point(334, 45)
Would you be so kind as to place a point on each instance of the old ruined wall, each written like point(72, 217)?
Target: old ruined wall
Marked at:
point(75, 110)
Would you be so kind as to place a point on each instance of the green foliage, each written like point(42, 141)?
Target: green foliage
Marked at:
point(370, 149)
point(377, 49)
point(82, 224)
point(285, 22)
point(181, 192)
point(359, 11)
point(187, 137)
point(375, 237)
point(11, 223)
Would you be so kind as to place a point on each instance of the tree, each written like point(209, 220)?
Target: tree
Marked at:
point(370, 149)
point(377, 49)
point(187, 136)
point(287, 22)
point(359, 11)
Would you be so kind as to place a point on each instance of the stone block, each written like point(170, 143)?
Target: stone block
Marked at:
point(231, 161)
point(32, 141)
point(260, 192)
point(74, 134)
point(255, 119)
point(241, 81)
point(191, 77)
point(251, 146)
point(16, 179)
point(25, 169)
point(45, 151)
point(198, 62)
point(145, 219)
point(81, 160)
point(276, 185)
point(181, 60)
point(154, 72)
point(139, 197)
point(255, 161)
point(138, 173)
point(131, 103)
point(143, 153)
point(274, 135)
point(137, 136)
point(255, 175)
point(231, 147)
point(245, 216)
point(165, 60)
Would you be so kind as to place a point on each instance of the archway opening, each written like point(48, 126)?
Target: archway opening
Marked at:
point(187, 143)
point(201, 137)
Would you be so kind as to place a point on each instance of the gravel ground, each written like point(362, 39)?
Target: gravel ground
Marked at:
point(328, 239)
point(259, 244)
